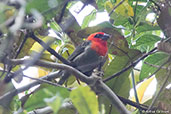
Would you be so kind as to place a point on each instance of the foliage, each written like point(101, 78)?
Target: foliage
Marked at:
point(84, 104)
point(134, 33)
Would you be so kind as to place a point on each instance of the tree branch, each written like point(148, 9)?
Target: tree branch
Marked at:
point(106, 91)
point(37, 79)
point(47, 64)
point(27, 87)
point(36, 57)
point(49, 49)
point(130, 66)
point(17, 53)
point(63, 11)
point(48, 109)
point(93, 81)
point(45, 110)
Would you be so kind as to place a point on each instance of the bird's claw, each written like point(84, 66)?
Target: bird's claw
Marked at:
point(99, 73)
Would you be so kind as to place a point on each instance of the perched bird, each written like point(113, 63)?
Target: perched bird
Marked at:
point(89, 55)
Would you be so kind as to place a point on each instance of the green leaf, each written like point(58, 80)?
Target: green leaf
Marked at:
point(117, 17)
point(4, 110)
point(164, 99)
point(121, 84)
point(155, 59)
point(84, 100)
point(40, 5)
point(48, 8)
point(143, 27)
point(67, 110)
point(142, 12)
point(83, 33)
point(55, 26)
point(88, 19)
point(100, 4)
point(47, 91)
point(124, 9)
point(117, 64)
point(5, 88)
point(54, 102)
point(37, 48)
point(15, 104)
point(66, 50)
point(147, 39)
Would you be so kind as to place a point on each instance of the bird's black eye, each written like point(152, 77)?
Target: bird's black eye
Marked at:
point(98, 36)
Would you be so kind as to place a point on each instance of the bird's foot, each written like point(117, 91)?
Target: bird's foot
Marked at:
point(99, 73)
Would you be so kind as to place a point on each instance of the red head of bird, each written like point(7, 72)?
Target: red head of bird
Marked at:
point(99, 42)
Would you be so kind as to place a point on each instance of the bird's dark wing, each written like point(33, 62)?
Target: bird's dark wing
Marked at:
point(88, 60)
point(79, 49)
point(84, 59)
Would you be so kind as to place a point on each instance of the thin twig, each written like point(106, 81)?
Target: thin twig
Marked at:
point(139, 106)
point(121, 50)
point(36, 57)
point(155, 71)
point(134, 21)
point(158, 6)
point(134, 88)
point(137, 69)
point(62, 12)
point(116, 7)
point(48, 109)
point(44, 110)
point(3, 72)
point(135, 10)
point(162, 87)
point(21, 45)
point(49, 49)
point(42, 81)
point(18, 52)
point(156, 66)
point(130, 66)
point(38, 79)
point(30, 85)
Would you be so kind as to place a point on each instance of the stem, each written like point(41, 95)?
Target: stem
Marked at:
point(112, 97)
point(135, 90)
point(50, 50)
point(116, 7)
point(162, 87)
point(130, 66)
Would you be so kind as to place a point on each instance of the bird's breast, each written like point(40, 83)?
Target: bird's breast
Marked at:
point(100, 48)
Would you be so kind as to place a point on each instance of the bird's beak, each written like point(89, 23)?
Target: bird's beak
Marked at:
point(106, 37)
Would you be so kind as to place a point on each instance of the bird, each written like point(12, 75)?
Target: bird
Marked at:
point(89, 55)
